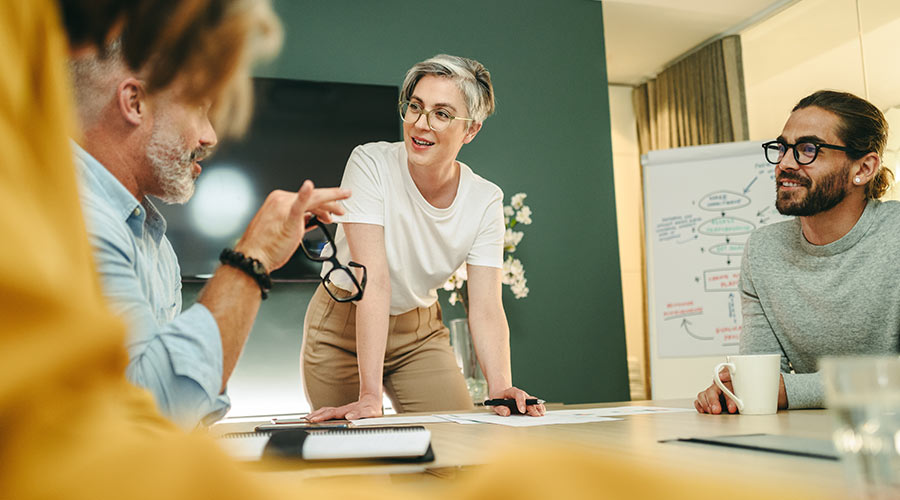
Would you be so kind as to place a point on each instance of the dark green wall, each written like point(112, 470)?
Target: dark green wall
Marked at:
point(549, 138)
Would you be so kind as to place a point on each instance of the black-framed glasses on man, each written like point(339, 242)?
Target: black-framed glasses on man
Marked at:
point(804, 152)
point(318, 245)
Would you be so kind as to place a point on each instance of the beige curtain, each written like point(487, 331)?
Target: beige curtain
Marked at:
point(698, 100)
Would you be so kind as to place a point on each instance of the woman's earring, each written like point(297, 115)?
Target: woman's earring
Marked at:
point(857, 179)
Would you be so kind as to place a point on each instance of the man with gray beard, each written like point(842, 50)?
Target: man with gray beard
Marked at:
point(138, 143)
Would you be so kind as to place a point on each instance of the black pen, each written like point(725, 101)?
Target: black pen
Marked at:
point(511, 403)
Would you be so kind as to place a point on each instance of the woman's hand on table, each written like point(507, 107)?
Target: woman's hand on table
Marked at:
point(520, 396)
point(367, 406)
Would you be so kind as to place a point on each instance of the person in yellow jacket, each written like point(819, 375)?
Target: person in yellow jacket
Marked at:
point(71, 426)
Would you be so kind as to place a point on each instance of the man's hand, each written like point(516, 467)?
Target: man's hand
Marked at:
point(367, 406)
point(275, 232)
point(712, 399)
point(520, 396)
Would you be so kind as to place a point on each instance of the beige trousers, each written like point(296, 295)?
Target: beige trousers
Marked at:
point(420, 370)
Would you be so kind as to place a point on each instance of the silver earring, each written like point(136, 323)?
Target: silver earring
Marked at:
point(857, 179)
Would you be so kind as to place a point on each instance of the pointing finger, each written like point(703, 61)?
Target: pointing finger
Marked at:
point(298, 208)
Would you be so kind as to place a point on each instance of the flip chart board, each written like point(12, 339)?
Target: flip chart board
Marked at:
point(700, 205)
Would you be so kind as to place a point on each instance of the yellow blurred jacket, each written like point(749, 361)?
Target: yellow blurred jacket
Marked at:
point(71, 426)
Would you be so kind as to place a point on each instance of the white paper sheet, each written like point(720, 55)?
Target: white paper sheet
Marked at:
point(462, 418)
point(423, 419)
point(619, 411)
point(550, 418)
point(574, 416)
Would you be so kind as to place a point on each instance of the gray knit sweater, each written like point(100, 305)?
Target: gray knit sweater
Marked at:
point(819, 300)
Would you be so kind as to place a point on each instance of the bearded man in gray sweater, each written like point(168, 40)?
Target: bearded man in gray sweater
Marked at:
point(825, 282)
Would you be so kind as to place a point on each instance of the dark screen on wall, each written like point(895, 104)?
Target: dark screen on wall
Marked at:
point(300, 130)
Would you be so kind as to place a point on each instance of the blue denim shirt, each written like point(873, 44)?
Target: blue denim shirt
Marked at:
point(176, 355)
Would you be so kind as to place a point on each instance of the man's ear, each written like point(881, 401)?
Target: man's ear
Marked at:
point(866, 168)
point(472, 132)
point(132, 101)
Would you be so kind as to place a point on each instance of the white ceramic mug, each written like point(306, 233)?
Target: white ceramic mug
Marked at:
point(755, 380)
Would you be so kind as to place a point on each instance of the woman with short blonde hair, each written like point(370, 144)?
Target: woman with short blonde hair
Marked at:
point(416, 215)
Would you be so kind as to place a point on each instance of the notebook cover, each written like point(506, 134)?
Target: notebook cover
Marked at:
point(289, 444)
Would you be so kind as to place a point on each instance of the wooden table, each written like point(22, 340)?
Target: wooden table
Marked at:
point(635, 437)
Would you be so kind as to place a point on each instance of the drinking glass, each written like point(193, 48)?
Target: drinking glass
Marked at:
point(863, 394)
point(461, 341)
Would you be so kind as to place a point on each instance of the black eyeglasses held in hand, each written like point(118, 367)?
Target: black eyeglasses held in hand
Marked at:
point(319, 251)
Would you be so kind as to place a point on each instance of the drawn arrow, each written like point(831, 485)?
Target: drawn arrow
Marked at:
point(762, 211)
point(731, 307)
point(729, 260)
point(727, 239)
point(751, 183)
point(685, 323)
point(689, 239)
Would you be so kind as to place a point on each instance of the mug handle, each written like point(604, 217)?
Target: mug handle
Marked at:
point(718, 381)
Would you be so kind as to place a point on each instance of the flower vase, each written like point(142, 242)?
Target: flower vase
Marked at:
point(464, 350)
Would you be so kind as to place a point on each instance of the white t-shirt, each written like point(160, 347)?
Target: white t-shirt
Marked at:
point(424, 244)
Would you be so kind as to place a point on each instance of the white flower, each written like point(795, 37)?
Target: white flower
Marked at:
point(513, 272)
point(461, 273)
point(507, 263)
point(516, 268)
point(457, 279)
point(519, 289)
point(523, 216)
point(517, 200)
point(511, 239)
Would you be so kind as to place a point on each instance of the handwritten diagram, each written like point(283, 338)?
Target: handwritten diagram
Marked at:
point(699, 211)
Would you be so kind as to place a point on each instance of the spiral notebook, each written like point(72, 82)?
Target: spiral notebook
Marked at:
point(405, 444)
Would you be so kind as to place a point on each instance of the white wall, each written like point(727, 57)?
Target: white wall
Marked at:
point(629, 219)
point(807, 47)
point(815, 44)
